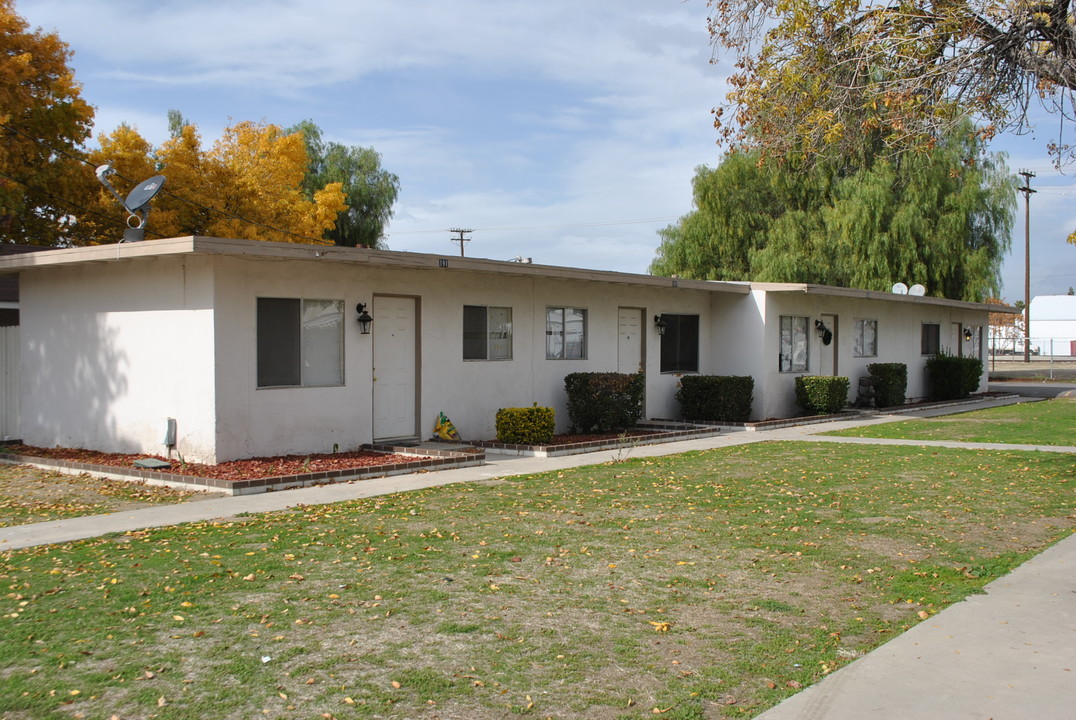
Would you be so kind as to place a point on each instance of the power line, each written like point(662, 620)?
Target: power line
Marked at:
point(233, 216)
point(65, 201)
point(225, 213)
point(561, 226)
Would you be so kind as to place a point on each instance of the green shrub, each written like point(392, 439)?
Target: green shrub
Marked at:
point(525, 426)
point(890, 383)
point(710, 398)
point(821, 394)
point(953, 377)
point(604, 402)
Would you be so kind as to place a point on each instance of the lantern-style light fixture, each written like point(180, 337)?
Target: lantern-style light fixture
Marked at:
point(967, 334)
point(660, 324)
point(365, 319)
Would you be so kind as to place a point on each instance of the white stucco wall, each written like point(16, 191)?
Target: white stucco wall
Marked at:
point(899, 335)
point(256, 421)
point(111, 349)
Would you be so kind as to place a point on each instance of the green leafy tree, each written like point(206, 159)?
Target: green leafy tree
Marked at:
point(370, 191)
point(940, 218)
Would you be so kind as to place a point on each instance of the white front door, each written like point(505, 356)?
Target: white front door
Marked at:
point(630, 340)
point(829, 354)
point(395, 367)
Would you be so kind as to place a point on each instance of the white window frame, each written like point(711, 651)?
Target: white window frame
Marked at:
point(496, 332)
point(565, 333)
point(319, 360)
point(861, 336)
point(794, 346)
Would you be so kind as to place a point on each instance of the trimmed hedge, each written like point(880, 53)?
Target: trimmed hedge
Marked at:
point(951, 377)
point(710, 398)
point(821, 394)
point(890, 383)
point(604, 401)
point(525, 426)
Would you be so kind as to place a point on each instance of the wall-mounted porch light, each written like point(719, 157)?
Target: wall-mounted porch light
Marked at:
point(824, 333)
point(365, 319)
point(660, 324)
point(967, 334)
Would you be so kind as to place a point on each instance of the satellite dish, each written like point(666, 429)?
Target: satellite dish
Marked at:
point(143, 193)
point(917, 290)
point(900, 288)
point(137, 202)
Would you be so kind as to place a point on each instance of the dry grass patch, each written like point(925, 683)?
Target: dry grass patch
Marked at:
point(696, 586)
point(29, 495)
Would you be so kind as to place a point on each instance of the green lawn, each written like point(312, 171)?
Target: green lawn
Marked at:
point(1049, 422)
point(703, 585)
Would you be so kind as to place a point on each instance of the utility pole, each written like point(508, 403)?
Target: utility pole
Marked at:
point(461, 240)
point(1026, 190)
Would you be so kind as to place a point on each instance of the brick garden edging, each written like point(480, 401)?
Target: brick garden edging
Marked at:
point(658, 432)
point(431, 460)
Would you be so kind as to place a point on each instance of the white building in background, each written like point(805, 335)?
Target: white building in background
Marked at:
point(1053, 324)
point(257, 348)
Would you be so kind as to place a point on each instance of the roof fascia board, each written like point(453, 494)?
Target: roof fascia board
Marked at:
point(264, 250)
point(832, 291)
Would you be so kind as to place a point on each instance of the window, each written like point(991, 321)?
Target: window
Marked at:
point(866, 340)
point(930, 340)
point(680, 343)
point(300, 342)
point(793, 344)
point(565, 333)
point(487, 333)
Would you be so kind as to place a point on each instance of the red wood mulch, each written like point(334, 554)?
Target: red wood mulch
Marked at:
point(250, 469)
point(573, 439)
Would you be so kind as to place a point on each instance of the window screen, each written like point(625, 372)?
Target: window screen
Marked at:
point(300, 342)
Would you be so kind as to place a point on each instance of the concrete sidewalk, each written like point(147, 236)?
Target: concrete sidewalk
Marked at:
point(1007, 654)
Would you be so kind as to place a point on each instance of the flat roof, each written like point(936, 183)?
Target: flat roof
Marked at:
point(831, 290)
point(265, 250)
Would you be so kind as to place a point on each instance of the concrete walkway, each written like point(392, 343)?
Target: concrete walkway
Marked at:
point(1007, 654)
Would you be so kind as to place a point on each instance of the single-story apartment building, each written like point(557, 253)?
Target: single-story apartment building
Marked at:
point(243, 348)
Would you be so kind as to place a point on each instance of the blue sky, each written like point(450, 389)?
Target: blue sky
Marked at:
point(564, 131)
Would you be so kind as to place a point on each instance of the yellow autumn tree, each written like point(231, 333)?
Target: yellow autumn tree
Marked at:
point(43, 123)
point(248, 185)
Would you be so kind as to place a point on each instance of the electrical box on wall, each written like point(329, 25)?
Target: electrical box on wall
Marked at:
point(169, 432)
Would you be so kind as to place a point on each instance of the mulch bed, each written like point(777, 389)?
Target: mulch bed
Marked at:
point(250, 469)
point(572, 439)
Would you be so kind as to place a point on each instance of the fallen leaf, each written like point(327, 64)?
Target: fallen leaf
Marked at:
point(396, 684)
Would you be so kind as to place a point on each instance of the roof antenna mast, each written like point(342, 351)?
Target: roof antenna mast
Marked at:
point(136, 204)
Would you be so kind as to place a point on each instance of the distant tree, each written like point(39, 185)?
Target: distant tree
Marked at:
point(941, 219)
point(248, 185)
point(370, 192)
point(814, 76)
point(176, 122)
point(43, 123)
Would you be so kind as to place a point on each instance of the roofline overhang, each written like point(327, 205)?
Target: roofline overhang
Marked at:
point(275, 251)
point(833, 291)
